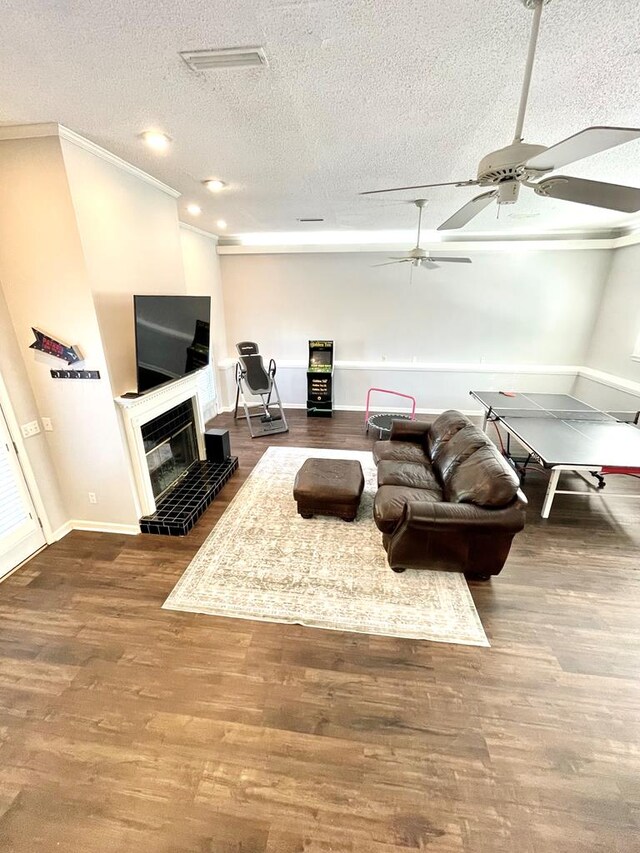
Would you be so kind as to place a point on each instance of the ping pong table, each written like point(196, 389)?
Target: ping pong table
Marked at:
point(561, 433)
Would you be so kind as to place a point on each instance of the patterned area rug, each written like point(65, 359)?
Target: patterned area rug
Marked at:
point(263, 561)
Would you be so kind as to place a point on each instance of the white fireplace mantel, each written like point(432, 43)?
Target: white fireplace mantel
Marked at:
point(137, 411)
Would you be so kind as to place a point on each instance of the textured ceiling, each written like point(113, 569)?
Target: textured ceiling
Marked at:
point(359, 94)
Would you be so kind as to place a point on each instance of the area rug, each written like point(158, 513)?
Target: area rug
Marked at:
point(264, 561)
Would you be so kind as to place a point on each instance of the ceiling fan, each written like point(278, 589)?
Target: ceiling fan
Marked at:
point(520, 163)
point(420, 257)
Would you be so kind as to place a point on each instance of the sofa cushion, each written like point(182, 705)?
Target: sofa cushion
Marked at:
point(390, 502)
point(413, 474)
point(399, 451)
point(485, 478)
point(442, 429)
point(459, 447)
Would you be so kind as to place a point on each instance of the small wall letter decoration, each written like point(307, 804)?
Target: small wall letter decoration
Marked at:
point(45, 343)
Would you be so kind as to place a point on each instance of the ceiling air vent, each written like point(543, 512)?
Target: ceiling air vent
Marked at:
point(310, 219)
point(227, 57)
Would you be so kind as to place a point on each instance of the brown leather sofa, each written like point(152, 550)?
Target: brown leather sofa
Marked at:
point(446, 499)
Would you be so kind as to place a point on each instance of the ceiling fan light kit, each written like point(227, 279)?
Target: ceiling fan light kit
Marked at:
point(523, 164)
point(531, 4)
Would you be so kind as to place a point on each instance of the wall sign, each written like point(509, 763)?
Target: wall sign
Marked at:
point(45, 343)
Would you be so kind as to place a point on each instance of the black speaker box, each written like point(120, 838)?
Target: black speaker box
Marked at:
point(217, 444)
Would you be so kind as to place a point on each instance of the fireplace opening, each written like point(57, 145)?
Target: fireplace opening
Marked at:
point(170, 446)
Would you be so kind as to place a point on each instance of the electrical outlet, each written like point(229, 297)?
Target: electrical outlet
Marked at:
point(32, 428)
point(47, 425)
point(92, 498)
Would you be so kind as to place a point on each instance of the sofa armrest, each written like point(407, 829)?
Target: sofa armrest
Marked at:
point(430, 516)
point(405, 430)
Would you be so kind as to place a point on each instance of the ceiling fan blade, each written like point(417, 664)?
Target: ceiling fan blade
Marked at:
point(471, 208)
point(595, 193)
point(469, 183)
point(379, 204)
point(388, 263)
point(590, 141)
point(450, 260)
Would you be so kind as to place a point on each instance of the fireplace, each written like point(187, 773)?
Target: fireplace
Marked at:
point(171, 447)
point(164, 429)
point(175, 483)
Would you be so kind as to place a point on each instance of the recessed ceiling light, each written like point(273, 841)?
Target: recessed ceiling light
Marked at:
point(194, 209)
point(156, 140)
point(221, 224)
point(214, 185)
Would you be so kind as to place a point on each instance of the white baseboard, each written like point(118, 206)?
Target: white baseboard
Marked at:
point(470, 413)
point(104, 527)
point(94, 527)
point(60, 532)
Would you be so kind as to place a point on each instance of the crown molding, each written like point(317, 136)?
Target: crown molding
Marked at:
point(485, 245)
point(613, 239)
point(28, 131)
point(188, 227)
point(118, 162)
point(37, 131)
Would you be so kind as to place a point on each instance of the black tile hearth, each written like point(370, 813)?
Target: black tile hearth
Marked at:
point(178, 511)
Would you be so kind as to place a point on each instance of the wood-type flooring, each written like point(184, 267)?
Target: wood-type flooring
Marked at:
point(125, 727)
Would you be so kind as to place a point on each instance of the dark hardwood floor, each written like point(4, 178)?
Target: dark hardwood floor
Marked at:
point(125, 727)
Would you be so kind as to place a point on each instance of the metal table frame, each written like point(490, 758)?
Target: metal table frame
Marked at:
point(555, 470)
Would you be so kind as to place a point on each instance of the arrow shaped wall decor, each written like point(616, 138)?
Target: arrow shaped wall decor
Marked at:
point(50, 346)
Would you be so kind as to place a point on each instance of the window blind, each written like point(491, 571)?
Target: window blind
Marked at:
point(13, 512)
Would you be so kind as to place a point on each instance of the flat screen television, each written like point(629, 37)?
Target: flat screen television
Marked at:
point(172, 337)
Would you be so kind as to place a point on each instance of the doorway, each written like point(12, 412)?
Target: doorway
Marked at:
point(20, 532)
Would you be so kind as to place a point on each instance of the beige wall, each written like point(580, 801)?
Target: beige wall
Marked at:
point(203, 278)
point(24, 408)
point(46, 284)
point(79, 235)
point(131, 243)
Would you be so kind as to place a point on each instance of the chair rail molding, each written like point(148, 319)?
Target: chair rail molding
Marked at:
point(353, 377)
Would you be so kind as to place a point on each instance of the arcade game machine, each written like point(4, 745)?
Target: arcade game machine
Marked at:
point(320, 380)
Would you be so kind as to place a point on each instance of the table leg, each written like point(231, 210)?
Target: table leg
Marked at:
point(551, 492)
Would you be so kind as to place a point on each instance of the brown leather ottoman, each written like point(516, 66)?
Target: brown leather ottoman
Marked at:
point(329, 487)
